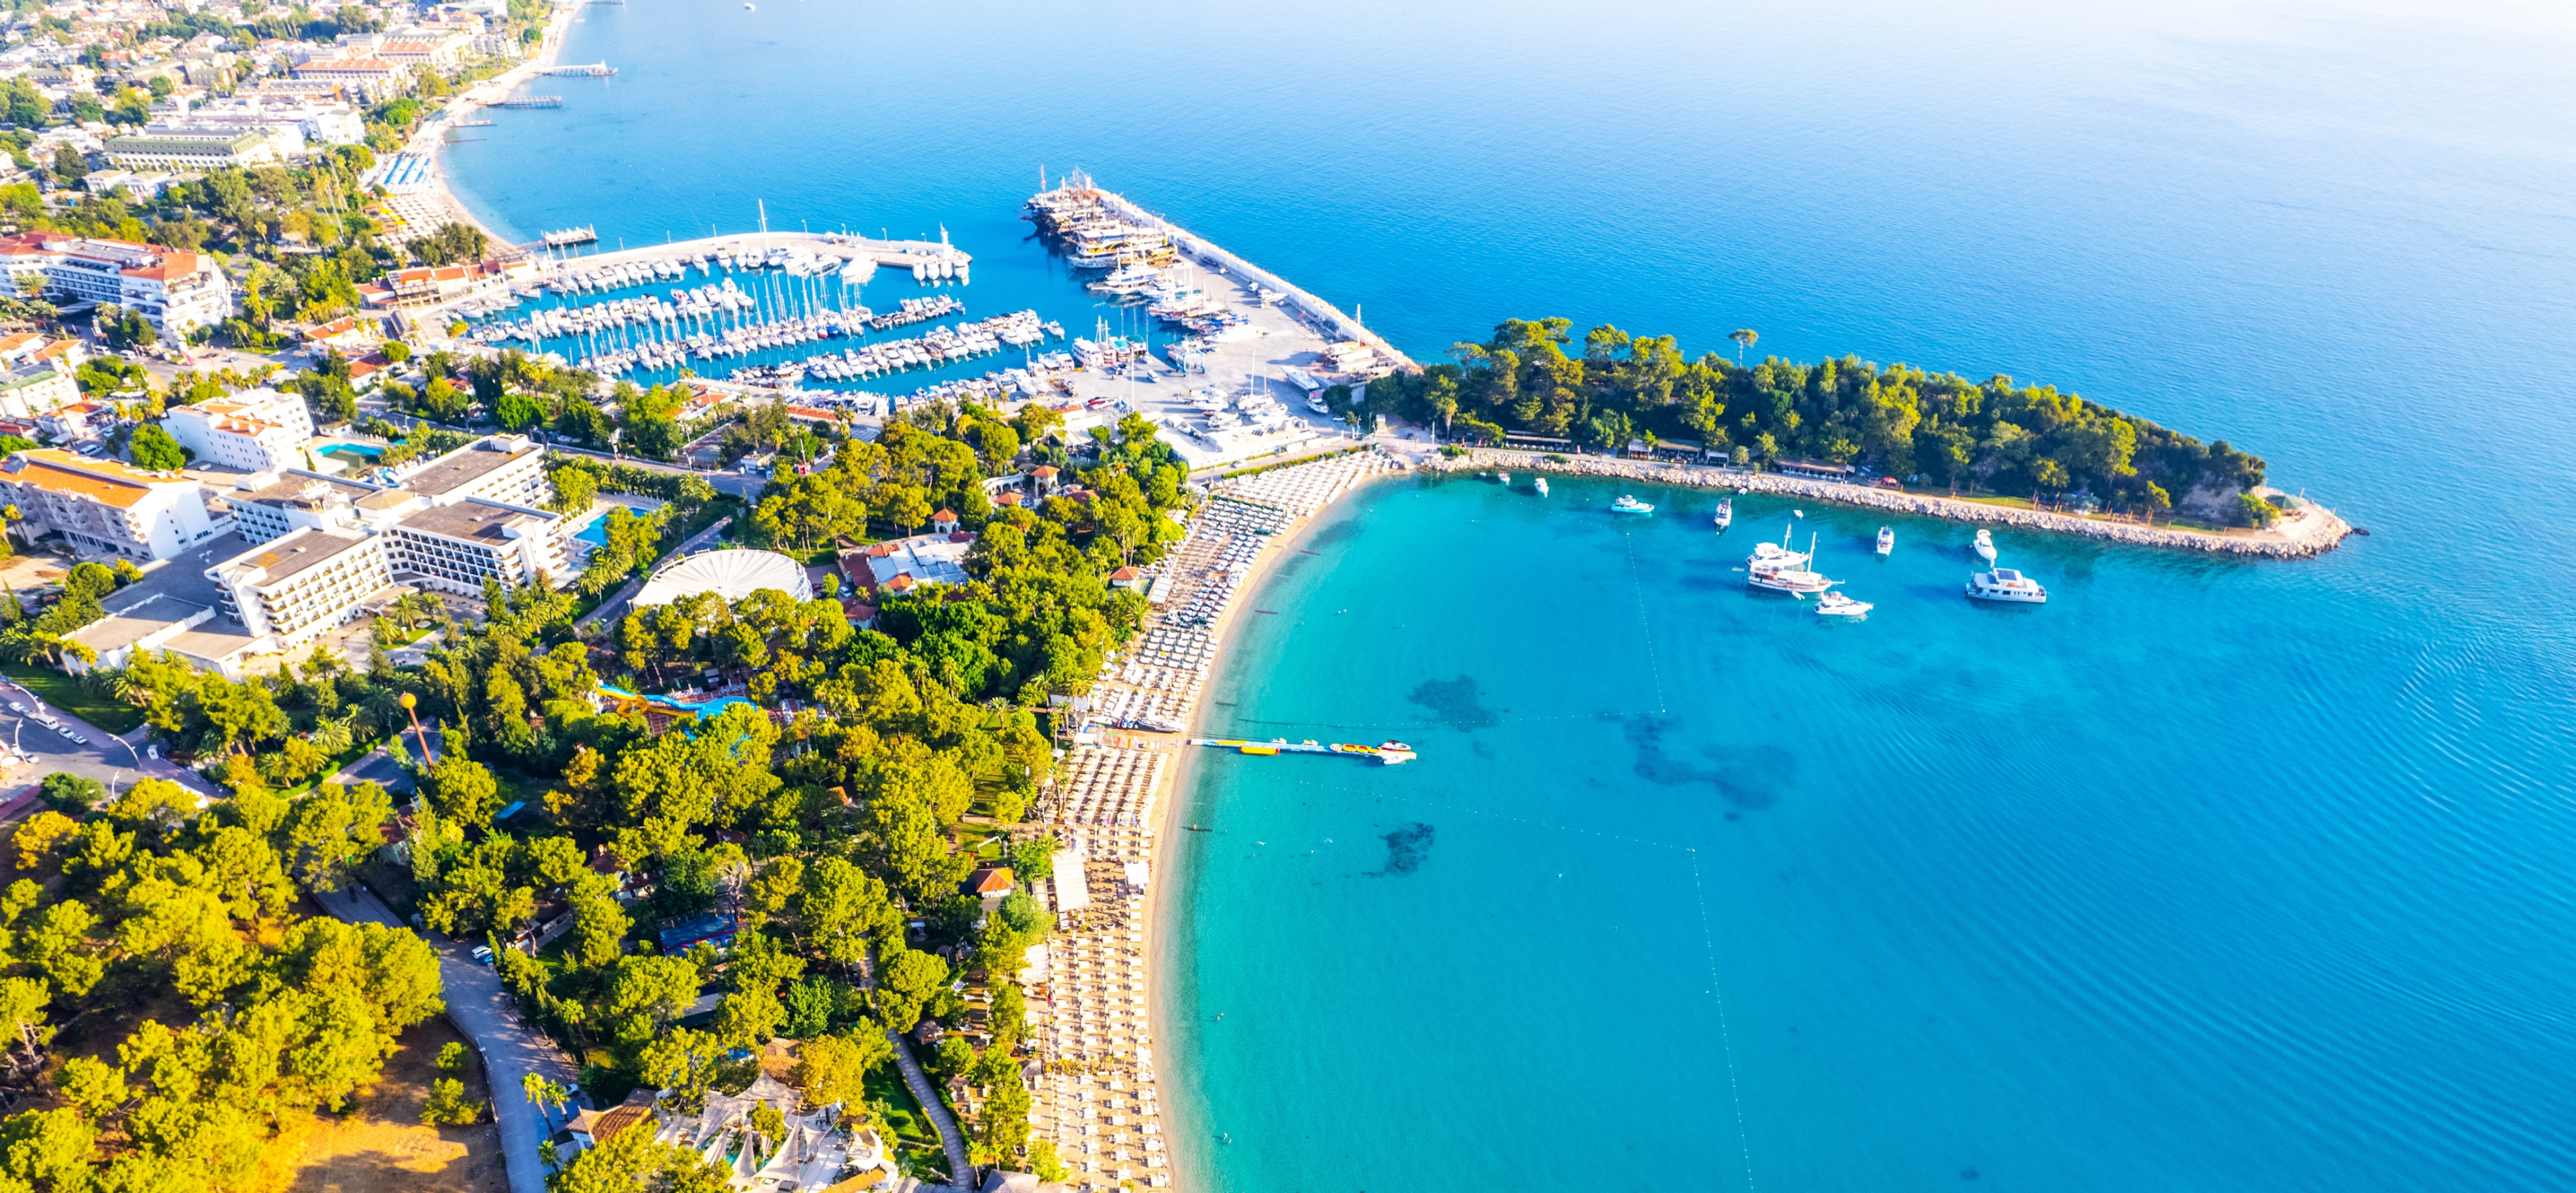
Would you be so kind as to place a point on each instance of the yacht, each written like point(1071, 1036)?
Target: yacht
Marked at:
point(1630, 505)
point(1725, 514)
point(2005, 584)
point(1985, 545)
point(1835, 604)
point(1792, 578)
point(1886, 541)
point(1775, 554)
point(1541, 485)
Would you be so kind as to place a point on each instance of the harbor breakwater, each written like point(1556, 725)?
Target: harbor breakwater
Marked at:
point(2307, 531)
point(1208, 252)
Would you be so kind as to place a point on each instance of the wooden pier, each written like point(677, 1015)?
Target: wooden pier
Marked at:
point(595, 70)
point(530, 101)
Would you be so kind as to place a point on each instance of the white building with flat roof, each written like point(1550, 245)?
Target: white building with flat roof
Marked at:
point(291, 590)
point(106, 507)
point(510, 469)
point(258, 430)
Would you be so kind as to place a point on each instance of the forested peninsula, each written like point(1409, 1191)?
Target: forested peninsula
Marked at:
point(1995, 436)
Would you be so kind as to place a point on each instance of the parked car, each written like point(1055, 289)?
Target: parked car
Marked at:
point(483, 954)
point(65, 730)
point(17, 708)
point(80, 738)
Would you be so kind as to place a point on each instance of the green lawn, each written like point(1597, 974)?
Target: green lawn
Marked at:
point(63, 692)
point(916, 1141)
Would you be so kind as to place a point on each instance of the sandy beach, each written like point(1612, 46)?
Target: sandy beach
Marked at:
point(1181, 777)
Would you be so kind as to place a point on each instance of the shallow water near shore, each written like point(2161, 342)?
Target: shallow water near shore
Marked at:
point(2210, 874)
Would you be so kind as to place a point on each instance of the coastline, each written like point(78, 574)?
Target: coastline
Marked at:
point(2306, 533)
point(427, 140)
point(1182, 775)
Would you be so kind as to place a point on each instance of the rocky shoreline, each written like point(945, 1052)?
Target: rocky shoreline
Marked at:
point(2312, 530)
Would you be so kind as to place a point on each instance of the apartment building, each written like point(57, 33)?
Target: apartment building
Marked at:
point(177, 291)
point(292, 589)
point(36, 388)
point(102, 506)
point(374, 78)
point(257, 430)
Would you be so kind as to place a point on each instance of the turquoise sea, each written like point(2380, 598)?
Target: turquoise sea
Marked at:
point(2208, 875)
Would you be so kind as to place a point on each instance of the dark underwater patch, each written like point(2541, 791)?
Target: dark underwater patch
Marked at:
point(1342, 531)
point(1455, 702)
point(1748, 779)
point(1406, 848)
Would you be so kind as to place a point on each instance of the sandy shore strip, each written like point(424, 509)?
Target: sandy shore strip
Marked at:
point(1115, 804)
point(2307, 531)
point(422, 212)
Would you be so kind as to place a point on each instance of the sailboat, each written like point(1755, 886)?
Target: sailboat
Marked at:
point(1725, 514)
point(1798, 577)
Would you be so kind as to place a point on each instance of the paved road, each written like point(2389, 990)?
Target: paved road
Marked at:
point(481, 1009)
point(961, 1171)
point(107, 758)
point(381, 767)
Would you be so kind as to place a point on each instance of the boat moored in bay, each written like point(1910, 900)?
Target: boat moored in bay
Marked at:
point(2007, 586)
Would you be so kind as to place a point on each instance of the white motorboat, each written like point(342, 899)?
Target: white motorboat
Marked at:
point(1775, 554)
point(2007, 585)
point(1835, 604)
point(1504, 477)
point(1630, 505)
point(1985, 545)
point(1541, 485)
point(1886, 540)
point(1725, 514)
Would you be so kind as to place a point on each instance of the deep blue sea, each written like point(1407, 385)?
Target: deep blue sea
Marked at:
point(2207, 875)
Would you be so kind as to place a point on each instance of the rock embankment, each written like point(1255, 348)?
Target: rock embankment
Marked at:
point(2311, 530)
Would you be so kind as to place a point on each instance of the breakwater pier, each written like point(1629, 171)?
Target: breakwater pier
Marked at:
point(2303, 532)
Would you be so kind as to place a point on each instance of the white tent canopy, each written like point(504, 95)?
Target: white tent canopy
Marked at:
point(730, 574)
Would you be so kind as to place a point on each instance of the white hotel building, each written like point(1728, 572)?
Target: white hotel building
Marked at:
point(259, 430)
point(102, 506)
point(327, 544)
point(178, 291)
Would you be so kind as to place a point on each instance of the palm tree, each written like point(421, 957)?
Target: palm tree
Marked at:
point(1743, 337)
point(539, 1091)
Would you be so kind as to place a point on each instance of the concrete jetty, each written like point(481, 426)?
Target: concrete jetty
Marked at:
point(888, 254)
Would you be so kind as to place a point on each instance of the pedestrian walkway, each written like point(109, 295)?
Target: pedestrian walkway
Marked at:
point(961, 1170)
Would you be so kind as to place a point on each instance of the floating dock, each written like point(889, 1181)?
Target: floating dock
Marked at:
point(571, 236)
point(530, 101)
point(595, 70)
point(1392, 753)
